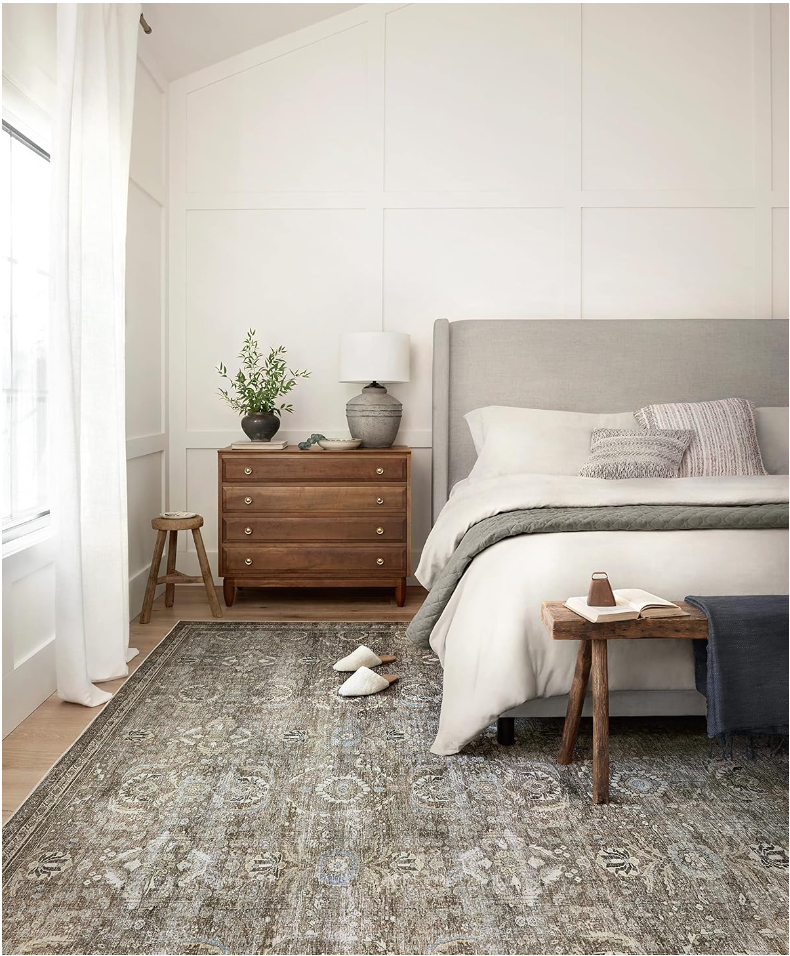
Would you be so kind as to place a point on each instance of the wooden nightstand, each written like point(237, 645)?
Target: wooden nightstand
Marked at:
point(315, 519)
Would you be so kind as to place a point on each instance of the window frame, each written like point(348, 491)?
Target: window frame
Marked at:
point(35, 523)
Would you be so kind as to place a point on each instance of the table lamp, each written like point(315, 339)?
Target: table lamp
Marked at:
point(378, 358)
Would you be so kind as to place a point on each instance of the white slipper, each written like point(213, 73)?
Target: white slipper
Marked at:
point(363, 657)
point(364, 682)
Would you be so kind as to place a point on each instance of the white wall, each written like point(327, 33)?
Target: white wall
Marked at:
point(29, 75)
point(400, 163)
point(146, 326)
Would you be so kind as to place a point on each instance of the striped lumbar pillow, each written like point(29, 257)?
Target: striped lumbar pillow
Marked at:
point(724, 440)
point(616, 453)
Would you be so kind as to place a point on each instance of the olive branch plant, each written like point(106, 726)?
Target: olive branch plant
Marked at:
point(261, 380)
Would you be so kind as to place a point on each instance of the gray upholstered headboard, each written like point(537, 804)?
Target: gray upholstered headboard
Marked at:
point(592, 365)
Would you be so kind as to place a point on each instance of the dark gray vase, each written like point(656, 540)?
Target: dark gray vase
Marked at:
point(260, 426)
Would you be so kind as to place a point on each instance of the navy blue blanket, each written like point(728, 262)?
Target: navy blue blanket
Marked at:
point(742, 669)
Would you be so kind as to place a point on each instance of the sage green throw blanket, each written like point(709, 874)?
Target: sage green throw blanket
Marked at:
point(509, 524)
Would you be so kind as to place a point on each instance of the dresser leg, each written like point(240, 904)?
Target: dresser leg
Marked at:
point(228, 591)
point(400, 592)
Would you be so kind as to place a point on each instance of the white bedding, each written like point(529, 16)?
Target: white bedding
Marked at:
point(490, 639)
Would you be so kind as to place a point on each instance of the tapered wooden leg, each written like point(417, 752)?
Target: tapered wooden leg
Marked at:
point(228, 591)
point(205, 570)
point(575, 703)
point(153, 574)
point(172, 548)
point(400, 592)
point(506, 731)
point(600, 689)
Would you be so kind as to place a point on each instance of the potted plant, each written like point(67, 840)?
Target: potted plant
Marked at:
point(257, 386)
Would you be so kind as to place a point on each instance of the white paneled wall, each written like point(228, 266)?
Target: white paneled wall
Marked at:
point(400, 163)
point(146, 367)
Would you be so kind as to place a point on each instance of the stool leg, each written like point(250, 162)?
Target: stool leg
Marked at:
point(153, 574)
point(205, 570)
point(172, 548)
point(600, 682)
point(575, 703)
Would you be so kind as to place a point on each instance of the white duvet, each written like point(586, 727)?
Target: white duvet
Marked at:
point(493, 647)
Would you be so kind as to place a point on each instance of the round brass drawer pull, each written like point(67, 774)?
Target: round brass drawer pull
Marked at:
point(248, 530)
point(248, 501)
point(248, 471)
point(379, 471)
point(379, 560)
point(379, 501)
point(248, 560)
point(379, 531)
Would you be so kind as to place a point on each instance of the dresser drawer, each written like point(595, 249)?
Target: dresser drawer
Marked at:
point(313, 466)
point(301, 498)
point(308, 528)
point(240, 560)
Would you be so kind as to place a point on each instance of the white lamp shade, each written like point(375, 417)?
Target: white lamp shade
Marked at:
point(374, 357)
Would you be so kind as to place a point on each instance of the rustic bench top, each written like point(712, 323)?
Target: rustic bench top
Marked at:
point(565, 625)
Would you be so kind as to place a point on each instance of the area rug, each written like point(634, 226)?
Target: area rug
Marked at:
point(228, 801)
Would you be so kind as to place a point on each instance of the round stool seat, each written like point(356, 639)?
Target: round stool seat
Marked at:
point(177, 524)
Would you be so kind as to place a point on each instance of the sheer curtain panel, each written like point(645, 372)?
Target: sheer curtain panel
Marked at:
point(97, 48)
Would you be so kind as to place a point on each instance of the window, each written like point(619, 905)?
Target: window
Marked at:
point(25, 211)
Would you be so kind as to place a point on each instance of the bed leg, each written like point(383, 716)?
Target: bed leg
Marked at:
point(506, 731)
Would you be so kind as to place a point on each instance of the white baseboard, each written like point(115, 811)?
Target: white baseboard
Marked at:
point(137, 583)
point(28, 685)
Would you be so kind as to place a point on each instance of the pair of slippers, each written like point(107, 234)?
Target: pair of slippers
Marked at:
point(364, 681)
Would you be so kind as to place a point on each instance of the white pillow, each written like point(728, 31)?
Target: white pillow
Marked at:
point(772, 428)
point(534, 440)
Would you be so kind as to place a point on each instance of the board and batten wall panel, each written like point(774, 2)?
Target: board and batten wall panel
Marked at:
point(399, 163)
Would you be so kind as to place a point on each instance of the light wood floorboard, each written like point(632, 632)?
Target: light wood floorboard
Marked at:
point(42, 738)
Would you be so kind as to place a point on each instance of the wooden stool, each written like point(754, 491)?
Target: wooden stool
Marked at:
point(173, 577)
point(564, 625)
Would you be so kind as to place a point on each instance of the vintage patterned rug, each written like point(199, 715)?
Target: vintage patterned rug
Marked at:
point(228, 801)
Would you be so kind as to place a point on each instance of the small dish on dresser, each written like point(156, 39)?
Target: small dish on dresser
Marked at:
point(339, 444)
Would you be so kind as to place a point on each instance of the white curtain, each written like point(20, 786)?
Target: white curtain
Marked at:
point(97, 49)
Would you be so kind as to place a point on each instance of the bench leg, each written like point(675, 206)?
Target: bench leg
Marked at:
point(506, 731)
point(600, 685)
point(575, 703)
point(153, 575)
point(172, 548)
point(205, 570)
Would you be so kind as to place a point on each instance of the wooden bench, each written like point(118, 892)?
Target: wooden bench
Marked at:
point(564, 625)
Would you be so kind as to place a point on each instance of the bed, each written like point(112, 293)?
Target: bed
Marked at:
point(497, 659)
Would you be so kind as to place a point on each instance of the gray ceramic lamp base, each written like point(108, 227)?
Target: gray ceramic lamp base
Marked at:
point(374, 416)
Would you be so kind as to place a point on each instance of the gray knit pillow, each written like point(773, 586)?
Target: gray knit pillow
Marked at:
point(724, 439)
point(617, 453)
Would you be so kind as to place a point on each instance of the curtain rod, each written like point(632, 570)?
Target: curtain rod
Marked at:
point(144, 25)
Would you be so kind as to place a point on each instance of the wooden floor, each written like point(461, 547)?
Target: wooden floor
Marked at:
point(43, 737)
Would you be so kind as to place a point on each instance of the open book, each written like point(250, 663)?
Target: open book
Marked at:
point(632, 603)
